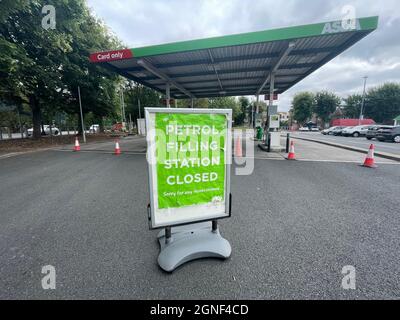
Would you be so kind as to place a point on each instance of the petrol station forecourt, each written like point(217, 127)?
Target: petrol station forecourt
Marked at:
point(265, 62)
point(293, 225)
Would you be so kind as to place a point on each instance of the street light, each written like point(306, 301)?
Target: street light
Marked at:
point(363, 101)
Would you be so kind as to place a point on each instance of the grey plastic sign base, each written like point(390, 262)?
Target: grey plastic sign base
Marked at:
point(191, 242)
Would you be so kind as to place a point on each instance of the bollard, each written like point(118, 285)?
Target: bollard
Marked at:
point(287, 142)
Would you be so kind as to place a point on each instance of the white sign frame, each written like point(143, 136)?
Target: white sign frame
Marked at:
point(185, 215)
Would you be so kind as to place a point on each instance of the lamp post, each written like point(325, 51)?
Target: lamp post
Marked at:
point(363, 101)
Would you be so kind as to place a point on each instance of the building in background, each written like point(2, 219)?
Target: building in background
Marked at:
point(284, 116)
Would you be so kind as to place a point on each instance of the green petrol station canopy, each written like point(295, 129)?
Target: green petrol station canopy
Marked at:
point(237, 65)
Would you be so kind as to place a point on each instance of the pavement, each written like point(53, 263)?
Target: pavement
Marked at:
point(129, 145)
point(294, 225)
point(5, 136)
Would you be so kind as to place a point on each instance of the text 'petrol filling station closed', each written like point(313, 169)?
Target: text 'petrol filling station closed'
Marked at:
point(194, 147)
point(190, 159)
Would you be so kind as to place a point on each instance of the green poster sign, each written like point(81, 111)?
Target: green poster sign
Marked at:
point(190, 159)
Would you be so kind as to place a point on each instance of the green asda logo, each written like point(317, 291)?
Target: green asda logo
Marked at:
point(341, 26)
point(190, 159)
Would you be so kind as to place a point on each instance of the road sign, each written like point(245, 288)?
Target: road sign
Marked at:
point(274, 121)
point(273, 110)
point(189, 155)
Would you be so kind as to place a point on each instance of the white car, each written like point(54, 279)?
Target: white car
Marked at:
point(356, 131)
point(94, 128)
point(308, 129)
point(54, 131)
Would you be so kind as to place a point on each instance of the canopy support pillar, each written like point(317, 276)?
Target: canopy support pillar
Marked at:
point(168, 94)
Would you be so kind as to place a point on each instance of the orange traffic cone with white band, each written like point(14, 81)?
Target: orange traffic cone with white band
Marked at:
point(238, 147)
point(370, 160)
point(291, 155)
point(117, 148)
point(77, 147)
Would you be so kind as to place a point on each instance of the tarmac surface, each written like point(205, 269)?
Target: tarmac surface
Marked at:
point(294, 226)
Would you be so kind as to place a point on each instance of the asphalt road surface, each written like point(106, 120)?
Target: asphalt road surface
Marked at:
point(360, 142)
point(294, 225)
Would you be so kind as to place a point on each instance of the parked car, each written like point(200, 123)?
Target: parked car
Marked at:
point(329, 130)
point(308, 129)
point(337, 131)
point(94, 128)
point(372, 131)
point(390, 134)
point(356, 131)
point(54, 131)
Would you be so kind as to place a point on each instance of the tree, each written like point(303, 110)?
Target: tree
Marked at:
point(383, 103)
point(197, 103)
point(133, 93)
point(45, 67)
point(325, 104)
point(303, 103)
point(228, 103)
point(352, 106)
point(244, 104)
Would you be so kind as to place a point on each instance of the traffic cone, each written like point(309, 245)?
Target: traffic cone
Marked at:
point(370, 160)
point(77, 147)
point(238, 146)
point(291, 155)
point(117, 148)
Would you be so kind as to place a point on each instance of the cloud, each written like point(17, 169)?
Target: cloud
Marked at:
point(145, 22)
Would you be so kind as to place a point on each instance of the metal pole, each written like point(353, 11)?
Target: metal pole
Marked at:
point(271, 101)
point(363, 101)
point(257, 105)
point(214, 226)
point(168, 94)
point(167, 235)
point(130, 124)
point(252, 116)
point(120, 104)
point(123, 106)
point(80, 107)
point(20, 124)
point(192, 103)
point(287, 142)
point(140, 115)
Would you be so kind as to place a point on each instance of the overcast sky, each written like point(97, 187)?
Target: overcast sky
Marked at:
point(147, 22)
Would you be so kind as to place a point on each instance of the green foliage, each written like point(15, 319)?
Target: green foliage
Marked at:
point(229, 103)
point(303, 104)
point(352, 106)
point(45, 67)
point(325, 104)
point(133, 93)
point(383, 103)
